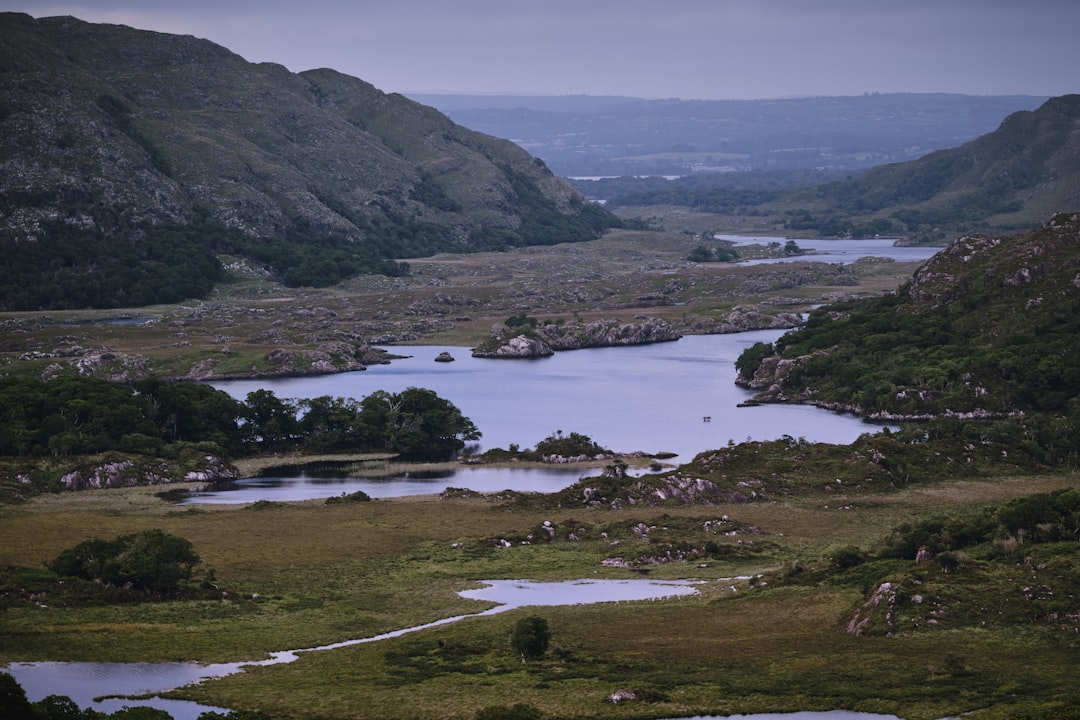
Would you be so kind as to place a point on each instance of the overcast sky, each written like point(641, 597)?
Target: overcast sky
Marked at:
point(690, 49)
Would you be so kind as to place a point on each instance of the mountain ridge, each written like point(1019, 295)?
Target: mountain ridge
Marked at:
point(109, 130)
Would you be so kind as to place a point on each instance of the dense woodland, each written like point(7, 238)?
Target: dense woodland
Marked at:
point(74, 416)
point(986, 328)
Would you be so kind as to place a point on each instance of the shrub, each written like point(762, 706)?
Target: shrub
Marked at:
point(153, 561)
point(520, 711)
point(530, 637)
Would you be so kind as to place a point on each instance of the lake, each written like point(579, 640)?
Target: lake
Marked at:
point(836, 250)
point(649, 398)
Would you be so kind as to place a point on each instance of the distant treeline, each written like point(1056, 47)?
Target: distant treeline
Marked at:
point(723, 192)
point(79, 416)
point(134, 265)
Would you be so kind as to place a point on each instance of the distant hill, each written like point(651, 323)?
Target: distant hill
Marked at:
point(130, 160)
point(986, 328)
point(589, 136)
point(1014, 177)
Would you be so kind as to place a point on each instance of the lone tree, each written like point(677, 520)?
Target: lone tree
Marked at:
point(530, 637)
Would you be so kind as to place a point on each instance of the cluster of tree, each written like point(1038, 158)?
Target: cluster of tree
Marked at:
point(134, 264)
point(719, 253)
point(981, 328)
point(988, 536)
point(543, 223)
point(14, 705)
point(152, 561)
point(710, 192)
point(73, 268)
point(572, 445)
point(414, 422)
point(74, 415)
point(839, 224)
point(78, 415)
point(1041, 518)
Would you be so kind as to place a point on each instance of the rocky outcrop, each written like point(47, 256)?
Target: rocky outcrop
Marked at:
point(104, 363)
point(525, 346)
point(743, 319)
point(653, 490)
point(130, 472)
point(609, 333)
point(324, 359)
point(545, 340)
point(884, 596)
point(444, 357)
point(771, 376)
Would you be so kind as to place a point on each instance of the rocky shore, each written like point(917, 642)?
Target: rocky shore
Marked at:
point(545, 340)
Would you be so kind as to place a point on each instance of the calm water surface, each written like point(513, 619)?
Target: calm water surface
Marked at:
point(837, 251)
point(652, 398)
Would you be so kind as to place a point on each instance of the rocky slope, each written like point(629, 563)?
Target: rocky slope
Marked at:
point(1014, 177)
point(108, 132)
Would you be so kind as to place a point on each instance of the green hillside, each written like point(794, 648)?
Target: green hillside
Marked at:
point(985, 329)
point(1008, 180)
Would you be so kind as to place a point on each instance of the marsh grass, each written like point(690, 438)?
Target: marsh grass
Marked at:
point(306, 574)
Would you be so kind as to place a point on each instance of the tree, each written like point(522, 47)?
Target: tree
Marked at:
point(700, 254)
point(61, 707)
point(153, 560)
point(270, 423)
point(415, 421)
point(530, 637)
point(13, 702)
point(331, 424)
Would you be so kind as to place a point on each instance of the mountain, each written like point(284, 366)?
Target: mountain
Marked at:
point(590, 136)
point(985, 329)
point(127, 156)
point(1014, 177)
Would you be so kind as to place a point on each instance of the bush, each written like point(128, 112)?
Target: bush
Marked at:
point(357, 497)
point(847, 557)
point(530, 637)
point(153, 561)
point(570, 445)
point(520, 711)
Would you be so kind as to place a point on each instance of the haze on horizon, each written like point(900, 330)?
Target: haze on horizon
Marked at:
point(689, 49)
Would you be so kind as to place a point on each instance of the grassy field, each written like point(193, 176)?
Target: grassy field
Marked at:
point(306, 574)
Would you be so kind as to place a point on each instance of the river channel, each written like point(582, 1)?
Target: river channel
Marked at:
point(102, 686)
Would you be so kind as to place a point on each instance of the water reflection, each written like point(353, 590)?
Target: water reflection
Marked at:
point(837, 250)
point(651, 398)
point(320, 482)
